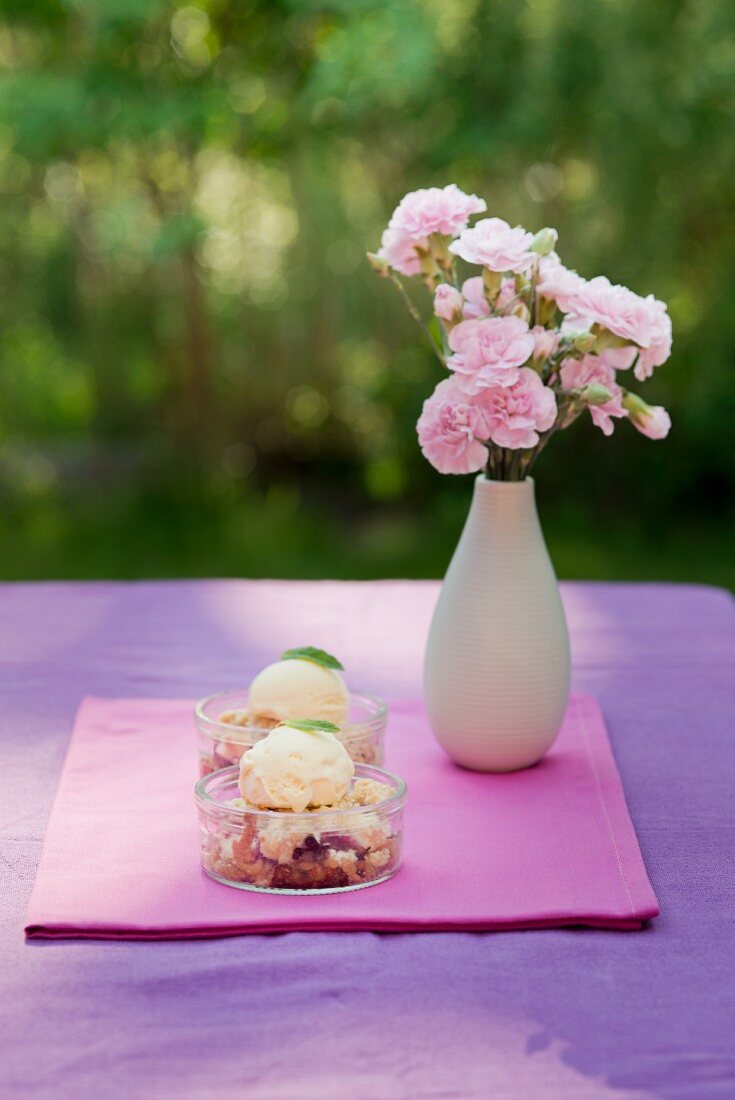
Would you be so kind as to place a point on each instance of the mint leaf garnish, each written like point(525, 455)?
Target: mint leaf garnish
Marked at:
point(308, 653)
point(312, 725)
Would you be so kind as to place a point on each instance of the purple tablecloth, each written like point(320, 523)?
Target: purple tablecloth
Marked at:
point(582, 1014)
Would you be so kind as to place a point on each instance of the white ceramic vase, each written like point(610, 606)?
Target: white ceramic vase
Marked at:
point(496, 671)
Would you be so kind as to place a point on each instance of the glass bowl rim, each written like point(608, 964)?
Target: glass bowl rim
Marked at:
point(206, 803)
point(223, 731)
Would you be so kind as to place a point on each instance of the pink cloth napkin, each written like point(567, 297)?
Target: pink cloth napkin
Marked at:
point(550, 846)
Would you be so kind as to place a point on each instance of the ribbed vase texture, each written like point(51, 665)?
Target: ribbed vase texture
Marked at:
point(496, 672)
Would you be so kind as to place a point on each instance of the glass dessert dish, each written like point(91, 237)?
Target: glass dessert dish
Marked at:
point(352, 844)
point(222, 742)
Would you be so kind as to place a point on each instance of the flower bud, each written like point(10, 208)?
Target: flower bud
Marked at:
point(379, 265)
point(596, 394)
point(651, 420)
point(544, 241)
point(448, 304)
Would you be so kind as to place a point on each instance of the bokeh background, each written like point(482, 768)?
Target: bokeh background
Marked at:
point(199, 373)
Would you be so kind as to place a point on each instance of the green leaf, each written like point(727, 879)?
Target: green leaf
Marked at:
point(308, 653)
point(311, 725)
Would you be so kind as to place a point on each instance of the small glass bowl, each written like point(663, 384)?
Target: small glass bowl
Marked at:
point(326, 851)
point(223, 743)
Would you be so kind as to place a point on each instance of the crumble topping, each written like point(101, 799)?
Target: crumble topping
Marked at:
point(285, 851)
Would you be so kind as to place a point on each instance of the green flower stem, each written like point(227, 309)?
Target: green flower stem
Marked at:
point(516, 466)
point(417, 317)
point(570, 408)
point(533, 297)
point(532, 455)
point(492, 468)
point(445, 339)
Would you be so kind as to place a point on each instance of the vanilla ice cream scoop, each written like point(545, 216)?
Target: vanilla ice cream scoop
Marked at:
point(295, 766)
point(298, 686)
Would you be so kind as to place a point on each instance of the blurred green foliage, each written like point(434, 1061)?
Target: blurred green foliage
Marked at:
point(201, 375)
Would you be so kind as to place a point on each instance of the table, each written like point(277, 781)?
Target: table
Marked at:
point(554, 1014)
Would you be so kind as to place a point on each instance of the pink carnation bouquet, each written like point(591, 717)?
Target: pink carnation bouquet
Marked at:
point(528, 343)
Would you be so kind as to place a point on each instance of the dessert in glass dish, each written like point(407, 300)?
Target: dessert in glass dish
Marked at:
point(305, 681)
point(299, 816)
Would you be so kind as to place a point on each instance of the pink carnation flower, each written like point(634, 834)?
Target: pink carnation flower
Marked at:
point(617, 309)
point(659, 347)
point(444, 210)
point(475, 303)
point(495, 245)
point(488, 352)
point(449, 430)
point(447, 302)
point(575, 374)
point(558, 283)
point(399, 251)
point(516, 414)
